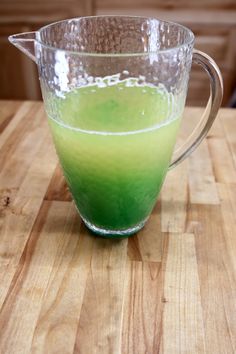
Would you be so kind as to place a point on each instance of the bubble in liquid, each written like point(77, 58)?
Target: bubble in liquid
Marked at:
point(130, 82)
point(100, 82)
point(113, 80)
point(90, 79)
point(55, 80)
point(142, 78)
point(60, 94)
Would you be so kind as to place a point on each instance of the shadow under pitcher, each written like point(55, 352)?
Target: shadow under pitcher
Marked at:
point(114, 89)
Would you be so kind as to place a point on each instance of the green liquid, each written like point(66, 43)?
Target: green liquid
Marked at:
point(115, 147)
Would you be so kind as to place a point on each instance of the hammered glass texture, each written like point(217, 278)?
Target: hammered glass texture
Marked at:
point(82, 51)
point(114, 34)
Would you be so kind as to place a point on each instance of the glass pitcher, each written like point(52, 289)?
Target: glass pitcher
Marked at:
point(114, 89)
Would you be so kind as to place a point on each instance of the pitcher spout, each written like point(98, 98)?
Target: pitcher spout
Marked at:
point(25, 42)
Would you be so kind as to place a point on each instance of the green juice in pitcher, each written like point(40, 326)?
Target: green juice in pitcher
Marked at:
point(114, 142)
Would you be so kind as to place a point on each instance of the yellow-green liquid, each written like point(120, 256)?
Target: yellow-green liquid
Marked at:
point(115, 146)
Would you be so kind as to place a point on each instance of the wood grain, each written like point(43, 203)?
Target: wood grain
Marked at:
point(215, 274)
point(7, 110)
point(103, 299)
point(25, 296)
point(18, 116)
point(58, 189)
point(223, 164)
point(183, 328)
point(143, 308)
point(174, 198)
point(55, 331)
point(147, 245)
point(167, 4)
point(170, 288)
point(21, 197)
point(202, 186)
point(228, 210)
point(228, 126)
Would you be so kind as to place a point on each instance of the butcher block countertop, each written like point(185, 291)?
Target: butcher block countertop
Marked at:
point(169, 289)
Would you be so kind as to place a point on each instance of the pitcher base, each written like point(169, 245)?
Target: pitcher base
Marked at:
point(105, 233)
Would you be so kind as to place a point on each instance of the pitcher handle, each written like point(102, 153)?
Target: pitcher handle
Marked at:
point(211, 110)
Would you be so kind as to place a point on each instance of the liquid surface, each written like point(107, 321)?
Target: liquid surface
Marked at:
point(114, 144)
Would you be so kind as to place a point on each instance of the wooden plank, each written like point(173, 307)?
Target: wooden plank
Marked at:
point(228, 210)
point(100, 324)
point(143, 307)
point(9, 130)
point(183, 329)
point(202, 186)
point(22, 304)
point(217, 130)
point(202, 19)
point(7, 112)
point(21, 147)
point(174, 197)
point(223, 165)
point(55, 330)
point(19, 211)
point(171, 4)
point(149, 239)
point(45, 9)
point(229, 128)
point(40, 171)
point(58, 189)
point(218, 287)
point(133, 251)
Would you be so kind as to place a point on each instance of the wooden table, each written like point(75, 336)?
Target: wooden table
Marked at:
point(169, 289)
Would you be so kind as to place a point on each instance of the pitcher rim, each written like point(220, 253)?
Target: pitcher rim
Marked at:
point(190, 40)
